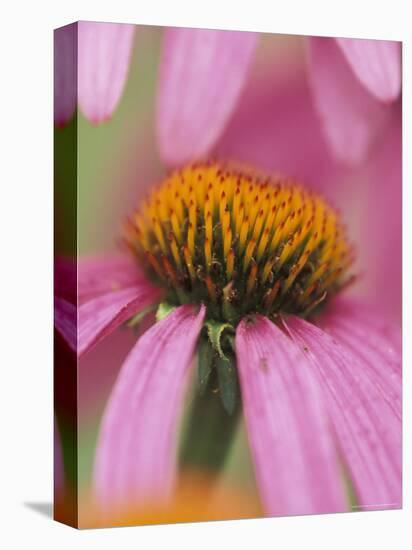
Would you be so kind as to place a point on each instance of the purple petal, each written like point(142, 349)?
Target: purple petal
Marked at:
point(135, 456)
point(102, 274)
point(352, 118)
point(65, 321)
point(65, 73)
point(296, 465)
point(202, 74)
point(366, 426)
point(101, 316)
point(376, 63)
point(103, 63)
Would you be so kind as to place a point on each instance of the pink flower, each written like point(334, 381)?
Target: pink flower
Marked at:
point(91, 63)
point(321, 395)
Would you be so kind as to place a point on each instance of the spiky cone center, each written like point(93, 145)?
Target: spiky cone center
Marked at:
point(240, 243)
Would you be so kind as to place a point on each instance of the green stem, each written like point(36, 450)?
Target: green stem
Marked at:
point(210, 431)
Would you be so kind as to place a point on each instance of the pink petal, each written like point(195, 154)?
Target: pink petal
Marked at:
point(367, 429)
point(296, 465)
point(377, 65)
point(380, 236)
point(384, 376)
point(202, 74)
point(135, 456)
point(352, 118)
point(364, 323)
point(65, 321)
point(65, 73)
point(275, 127)
point(101, 316)
point(101, 274)
point(103, 62)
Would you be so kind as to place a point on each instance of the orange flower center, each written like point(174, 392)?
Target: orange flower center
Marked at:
point(240, 242)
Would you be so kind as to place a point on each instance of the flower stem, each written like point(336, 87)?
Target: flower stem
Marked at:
point(210, 428)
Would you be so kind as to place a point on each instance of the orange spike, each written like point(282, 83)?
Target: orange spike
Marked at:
point(176, 227)
point(155, 264)
point(251, 281)
point(211, 288)
point(268, 268)
point(244, 233)
point(258, 225)
point(171, 273)
point(227, 241)
point(271, 295)
point(209, 227)
point(208, 253)
point(248, 254)
point(189, 262)
point(230, 262)
point(175, 250)
point(159, 235)
point(263, 243)
point(191, 239)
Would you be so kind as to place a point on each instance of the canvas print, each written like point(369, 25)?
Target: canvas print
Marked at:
point(227, 280)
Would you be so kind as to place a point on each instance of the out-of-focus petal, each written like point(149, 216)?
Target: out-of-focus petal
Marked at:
point(372, 343)
point(366, 426)
point(65, 73)
point(101, 274)
point(296, 464)
point(135, 455)
point(376, 63)
point(275, 127)
point(102, 315)
point(103, 62)
point(65, 321)
point(364, 322)
point(202, 74)
point(380, 237)
point(351, 116)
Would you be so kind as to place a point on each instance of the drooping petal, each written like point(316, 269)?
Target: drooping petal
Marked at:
point(102, 315)
point(275, 127)
point(351, 116)
point(380, 235)
point(202, 74)
point(103, 63)
point(296, 464)
point(363, 322)
point(368, 344)
point(135, 455)
point(65, 321)
point(366, 426)
point(376, 63)
point(65, 73)
point(101, 274)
